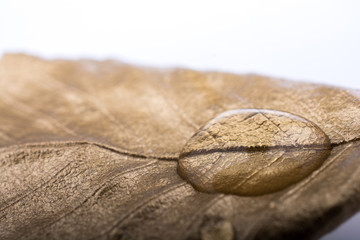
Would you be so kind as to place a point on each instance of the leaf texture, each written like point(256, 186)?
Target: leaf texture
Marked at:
point(89, 150)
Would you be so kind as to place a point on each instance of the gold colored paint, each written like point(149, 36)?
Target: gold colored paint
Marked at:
point(115, 126)
point(253, 152)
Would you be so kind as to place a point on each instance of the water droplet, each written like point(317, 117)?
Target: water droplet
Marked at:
point(266, 151)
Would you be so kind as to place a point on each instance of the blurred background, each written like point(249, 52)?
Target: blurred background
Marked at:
point(303, 40)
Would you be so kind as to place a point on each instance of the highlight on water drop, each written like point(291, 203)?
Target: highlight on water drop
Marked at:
point(252, 152)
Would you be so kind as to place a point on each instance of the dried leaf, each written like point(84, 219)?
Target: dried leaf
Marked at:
point(89, 150)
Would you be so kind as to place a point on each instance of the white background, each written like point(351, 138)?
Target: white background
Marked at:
point(307, 40)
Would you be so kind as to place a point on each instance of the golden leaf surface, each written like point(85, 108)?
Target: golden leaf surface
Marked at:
point(90, 150)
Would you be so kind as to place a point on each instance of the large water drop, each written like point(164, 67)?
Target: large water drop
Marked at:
point(253, 152)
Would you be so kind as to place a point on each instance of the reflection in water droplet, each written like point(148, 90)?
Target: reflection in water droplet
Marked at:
point(266, 151)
